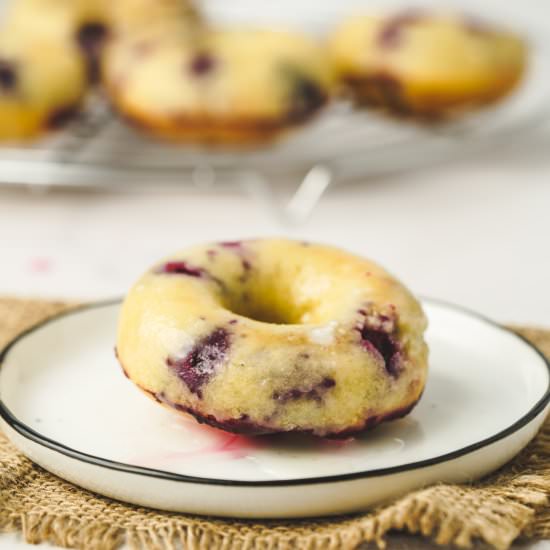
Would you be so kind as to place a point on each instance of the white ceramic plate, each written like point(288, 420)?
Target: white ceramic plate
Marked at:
point(66, 404)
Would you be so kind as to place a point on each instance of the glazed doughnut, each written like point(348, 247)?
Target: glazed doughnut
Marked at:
point(231, 86)
point(269, 336)
point(413, 63)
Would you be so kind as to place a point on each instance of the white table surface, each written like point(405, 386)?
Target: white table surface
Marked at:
point(473, 232)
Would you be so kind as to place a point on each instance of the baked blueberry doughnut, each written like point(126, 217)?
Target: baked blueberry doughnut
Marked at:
point(42, 84)
point(414, 63)
point(142, 16)
point(81, 23)
point(231, 86)
point(269, 336)
point(89, 23)
point(50, 53)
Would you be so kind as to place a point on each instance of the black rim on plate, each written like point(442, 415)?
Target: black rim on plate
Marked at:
point(36, 437)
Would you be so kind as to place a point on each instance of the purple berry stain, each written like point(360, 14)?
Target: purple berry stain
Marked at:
point(202, 64)
point(391, 33)
point(313, 393)
point(238, 248)
point(306, 98)
point(61, 116)
point(385, 90)
point(385, 345)
point(379, 336)
point(185, 268)
point(91, 37)
point(8, 76)
point(198, 366)
point(182, 268)
point(247, 266)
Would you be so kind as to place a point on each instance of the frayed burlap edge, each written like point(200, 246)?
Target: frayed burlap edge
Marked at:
point(510, 503)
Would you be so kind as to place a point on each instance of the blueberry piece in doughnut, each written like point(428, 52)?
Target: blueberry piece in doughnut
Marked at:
point(288, 395)
point(314, 392)
point(185, 268)
point(202, 63)
point(327, 383)
point(8, 76)
point(390, 34)
point(305, 99)
point(182, 268)
point(196, 368)
point(91, 38)
point(247, 266)
point(385, 345)
point(61, 117)
point(385, 90)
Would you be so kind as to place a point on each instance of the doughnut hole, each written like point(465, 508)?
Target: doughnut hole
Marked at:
point(265, 307)
point(270, 295)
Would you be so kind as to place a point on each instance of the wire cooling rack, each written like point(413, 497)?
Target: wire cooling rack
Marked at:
point(343, 143)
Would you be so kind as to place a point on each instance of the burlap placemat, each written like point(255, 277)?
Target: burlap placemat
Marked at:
point(512, 502)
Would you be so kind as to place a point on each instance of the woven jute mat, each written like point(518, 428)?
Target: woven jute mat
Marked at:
point(510, 503)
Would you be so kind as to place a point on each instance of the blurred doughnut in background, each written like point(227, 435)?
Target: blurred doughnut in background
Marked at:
point(421, 64)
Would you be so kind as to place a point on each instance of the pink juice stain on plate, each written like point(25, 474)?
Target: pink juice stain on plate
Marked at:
point(232, 445)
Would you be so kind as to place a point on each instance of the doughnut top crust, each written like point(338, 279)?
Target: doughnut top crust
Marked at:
point(131, 17)
point(80, 24)
point(221, 86)
point(416, 62)
point(266, 336)
point(49, 54)
point(42, 84)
